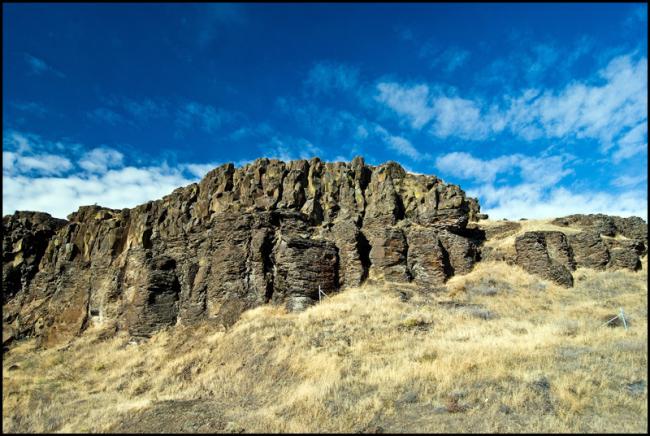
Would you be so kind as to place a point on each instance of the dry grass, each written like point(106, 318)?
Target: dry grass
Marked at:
point(506, 243)
point(501, 351)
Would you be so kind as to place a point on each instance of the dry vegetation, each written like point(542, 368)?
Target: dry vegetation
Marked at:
point(506, 242)
point(500, 351)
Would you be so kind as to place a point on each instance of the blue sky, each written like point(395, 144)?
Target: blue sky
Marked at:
point(539, 110)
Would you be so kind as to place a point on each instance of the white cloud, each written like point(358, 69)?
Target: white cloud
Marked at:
point(200, 170)
point(633, 142)
point(8, 161)
point(361, 132)
point(18, 141)
point(404, 147)
point(542, 171)
point(101, 159)
point(626, 181)
point(399, 144)
point(60, 196)
point(411, 102)
point(537, 194)
point(44, 164)
point(603, 109)
point(459, 117)
point(26, 153)
point(34, 178)
point(528, 201)
point(465, 166)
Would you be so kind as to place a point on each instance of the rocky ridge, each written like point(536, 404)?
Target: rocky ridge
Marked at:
point(267, 233)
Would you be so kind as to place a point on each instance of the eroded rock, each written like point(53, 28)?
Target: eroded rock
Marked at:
point(534, 256)
point(270, 232)
point(589, 250)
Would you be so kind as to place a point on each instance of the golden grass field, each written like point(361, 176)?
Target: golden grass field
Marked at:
point(499, 351)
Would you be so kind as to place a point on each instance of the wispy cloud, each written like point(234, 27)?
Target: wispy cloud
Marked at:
point(200, 170)
point(125, 110)
point(325, 77)
point(145, 109)
point(411, 102)
point(36, 170)
point(31, 107)
point(398, 144)
point(626, 181)
point(603, 108)
point(203, 116)
point(633, 142)
point(537, 194)
point(39, 66)
point(446, 60)
point(105, 115)
point(289, 148)
point(543, 171)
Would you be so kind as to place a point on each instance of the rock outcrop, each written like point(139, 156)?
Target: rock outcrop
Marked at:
point(25, 236)
point(606, 225)
point(546, 254)
point(553, 255)
point(269, 232)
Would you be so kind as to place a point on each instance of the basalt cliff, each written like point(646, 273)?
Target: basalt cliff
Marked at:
point(268, 233)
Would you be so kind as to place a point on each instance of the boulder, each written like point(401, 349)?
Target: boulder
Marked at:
point(534, 256)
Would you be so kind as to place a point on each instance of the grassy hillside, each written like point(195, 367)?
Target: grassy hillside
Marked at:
point(498, 350)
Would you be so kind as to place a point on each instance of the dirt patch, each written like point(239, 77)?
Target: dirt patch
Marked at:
point(191, 416)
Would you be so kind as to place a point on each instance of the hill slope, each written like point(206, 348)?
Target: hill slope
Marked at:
point(497, 349)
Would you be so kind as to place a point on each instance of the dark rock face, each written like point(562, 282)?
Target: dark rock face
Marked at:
point(589, 250)
point(631, 228)
point(544, 254)
point(304, 266)
point(25, 236)
point(624, 254)
point(269, 232)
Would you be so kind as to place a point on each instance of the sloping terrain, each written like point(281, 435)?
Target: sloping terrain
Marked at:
point(496, 349)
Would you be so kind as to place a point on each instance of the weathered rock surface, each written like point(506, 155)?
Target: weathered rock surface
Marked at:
point(545, 254)
point(269, 232)
point(542, 253)
point(624, 254)
point(606, 225)
point(25, 236)
point(589, 250)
